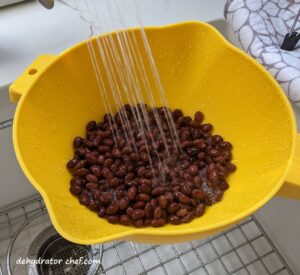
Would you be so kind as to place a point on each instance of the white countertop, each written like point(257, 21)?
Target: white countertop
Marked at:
point(28, 30)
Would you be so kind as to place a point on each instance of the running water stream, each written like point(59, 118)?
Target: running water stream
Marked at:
point(129, 68)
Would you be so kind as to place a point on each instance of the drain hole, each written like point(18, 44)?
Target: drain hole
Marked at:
point(71, 259)
point(58, 256)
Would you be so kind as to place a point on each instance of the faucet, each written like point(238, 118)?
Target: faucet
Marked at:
point(48, 4)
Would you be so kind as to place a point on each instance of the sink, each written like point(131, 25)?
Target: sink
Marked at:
point(14, 186)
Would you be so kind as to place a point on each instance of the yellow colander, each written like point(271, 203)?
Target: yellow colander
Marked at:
point(199, 70)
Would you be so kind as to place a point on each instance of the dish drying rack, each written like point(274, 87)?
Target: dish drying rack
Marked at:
point(243, 249)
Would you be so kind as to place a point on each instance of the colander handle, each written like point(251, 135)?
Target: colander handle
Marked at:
point(291, 188)
point(24, 82)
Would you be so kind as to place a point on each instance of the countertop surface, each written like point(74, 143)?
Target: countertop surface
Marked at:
point(28, 30)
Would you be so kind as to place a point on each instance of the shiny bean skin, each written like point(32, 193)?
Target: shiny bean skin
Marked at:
point(184, 199)
point(94, 206)
point(138, 214)
point(199, 116)
point(157, 213)
point(139, 205)
point(100, 159)
point(117, 153)
point(129, 211)
point(106, 173)
point(193, 170)
point(123, 203)
point(158, 191)
point(158, 222)
point(125, 220)
point(131, 179)
point(148, 210)
point(106, 197)
point(145, 189)
point(169, 196)
point(138, 223)
point(71, 164)
point(113, 208)
point(132, 191)
point(174, 220)
point(80, 164)
point(198, 194)
point(77, 142)
point(102, 212)
point(163, 202)
point(91, 178)
point(188, 217)
point(143, 197)
point(173, 207)
point(181, 213)
point(84, 199)
point(96, 170)
point(92, 159)
point(185, 189)
point(200, 209)
point(113, 219)
point(75, 189)
point(92, 186)
point(81, 172)
point(147, 222)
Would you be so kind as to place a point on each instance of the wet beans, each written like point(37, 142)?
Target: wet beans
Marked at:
point(142, 179)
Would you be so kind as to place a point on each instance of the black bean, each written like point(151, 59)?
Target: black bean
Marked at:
point(81, 172)
point(138, 223)
point(91, 178)
point(193, 170)
point(125, 220)
point(199, 211)
point(158, 222)
point(84, 199)
point(181, 212)
point(96, 170)
point(75, 189)
point(163, 202)
point(139, 205)
point(192, 151)
point(138, 214)
point(105, 197)
point(135, 182)
point(112, 208)
point(199, 116)
point(173, 207)
point(92, 186)
point(106, 173)
point(77, 142)
point(113, 219)
point(198, 194)
point(174, 220)
point(132, 192)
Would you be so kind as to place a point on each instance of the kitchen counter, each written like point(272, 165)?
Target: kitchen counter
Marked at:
point(28, 30)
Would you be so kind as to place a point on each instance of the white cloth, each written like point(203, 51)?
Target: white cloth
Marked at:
point(261, 26)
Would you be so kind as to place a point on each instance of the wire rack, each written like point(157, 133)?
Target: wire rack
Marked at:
point(244, 249)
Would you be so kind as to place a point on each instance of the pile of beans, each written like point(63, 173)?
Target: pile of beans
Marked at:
point(138, 178)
